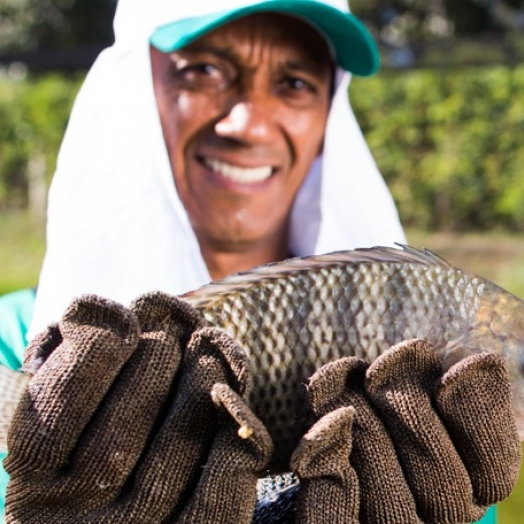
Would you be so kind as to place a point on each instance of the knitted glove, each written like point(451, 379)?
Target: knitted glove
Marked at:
point(124, 421)
point(423, 445)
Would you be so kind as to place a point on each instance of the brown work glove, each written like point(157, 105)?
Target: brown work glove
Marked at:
point(131, 419)
point(423, 445)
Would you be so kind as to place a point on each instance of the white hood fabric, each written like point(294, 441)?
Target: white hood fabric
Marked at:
point(116, 226)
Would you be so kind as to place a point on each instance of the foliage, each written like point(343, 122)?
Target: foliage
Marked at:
point(42, 24)
point(449, 143)
point(39, 24)
point(398, 22)
point(422, 33)
point(34, 115)
point(22, 247)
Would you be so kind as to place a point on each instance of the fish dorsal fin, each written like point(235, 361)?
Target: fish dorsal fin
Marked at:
point(204, 296)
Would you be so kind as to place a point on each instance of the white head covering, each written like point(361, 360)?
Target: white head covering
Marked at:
point(116, 226)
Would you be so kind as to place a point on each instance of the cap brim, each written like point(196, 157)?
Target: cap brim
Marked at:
point(353, 46)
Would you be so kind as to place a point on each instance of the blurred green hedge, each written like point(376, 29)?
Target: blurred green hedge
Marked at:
point(33, 118)
point(449, 142)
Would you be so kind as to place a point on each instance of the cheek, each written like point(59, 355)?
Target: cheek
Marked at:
point(306, 132)
point(186, 113)
point(188, 116)
point(186, 105)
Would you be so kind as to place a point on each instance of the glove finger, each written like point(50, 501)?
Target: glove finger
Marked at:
point(227, 490)
point(474, 399)
point(329, 487)
point(239, 421)
point(118, 432)
point(400, 383)
point(172, 466)
point(41, 347)
point(384, 493)
point(98, 337)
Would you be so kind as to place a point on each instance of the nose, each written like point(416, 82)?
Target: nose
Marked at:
point(248, 121)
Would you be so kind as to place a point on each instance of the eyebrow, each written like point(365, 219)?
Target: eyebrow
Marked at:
point(312, 66)
point(200, 48)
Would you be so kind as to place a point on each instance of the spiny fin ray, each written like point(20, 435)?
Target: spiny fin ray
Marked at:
point(203, 296)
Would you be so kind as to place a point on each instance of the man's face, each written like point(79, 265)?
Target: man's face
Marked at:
point(243, 112)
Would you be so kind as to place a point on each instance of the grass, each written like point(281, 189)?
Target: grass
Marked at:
point(497, 256)
point(510, 511)
point(22, 247)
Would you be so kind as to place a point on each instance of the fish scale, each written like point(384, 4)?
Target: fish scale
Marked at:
point(13, 385)
point(294, 316)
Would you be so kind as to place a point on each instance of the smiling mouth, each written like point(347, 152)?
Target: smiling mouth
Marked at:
point(241, 175)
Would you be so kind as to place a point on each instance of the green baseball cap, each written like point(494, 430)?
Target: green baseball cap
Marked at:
point(353, 46)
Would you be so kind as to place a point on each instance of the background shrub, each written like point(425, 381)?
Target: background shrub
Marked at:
point(33, 117)
point(449, 143)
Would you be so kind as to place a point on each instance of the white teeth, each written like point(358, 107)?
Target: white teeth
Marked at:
point(242, 175)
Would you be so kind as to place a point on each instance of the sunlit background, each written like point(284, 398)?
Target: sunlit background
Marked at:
point(444, 119)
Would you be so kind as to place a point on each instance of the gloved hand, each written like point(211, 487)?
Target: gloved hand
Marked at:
point(131, 419)
point(423, 445)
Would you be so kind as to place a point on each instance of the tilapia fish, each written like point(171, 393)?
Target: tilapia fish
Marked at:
point(294, 316)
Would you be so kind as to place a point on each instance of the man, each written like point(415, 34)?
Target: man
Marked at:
point(205, 142)
point(127, 214)
point(243, 112)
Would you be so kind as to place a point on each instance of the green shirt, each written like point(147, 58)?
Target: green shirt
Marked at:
point(16, 310)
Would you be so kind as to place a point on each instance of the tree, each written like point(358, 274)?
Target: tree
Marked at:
point(27, 25)
point(429, 19)
point(443, 32)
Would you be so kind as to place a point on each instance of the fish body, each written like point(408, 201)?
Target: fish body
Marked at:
point(294, 316)
point(12, 387)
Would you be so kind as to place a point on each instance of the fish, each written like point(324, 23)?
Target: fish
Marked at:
point(294, 316)
point(12, 386)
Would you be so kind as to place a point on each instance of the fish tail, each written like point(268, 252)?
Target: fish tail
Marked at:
point(12, 386)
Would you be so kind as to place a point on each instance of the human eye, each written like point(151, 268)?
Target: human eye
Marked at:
point(198, 74)
point(298, 89)
point(298, 84)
